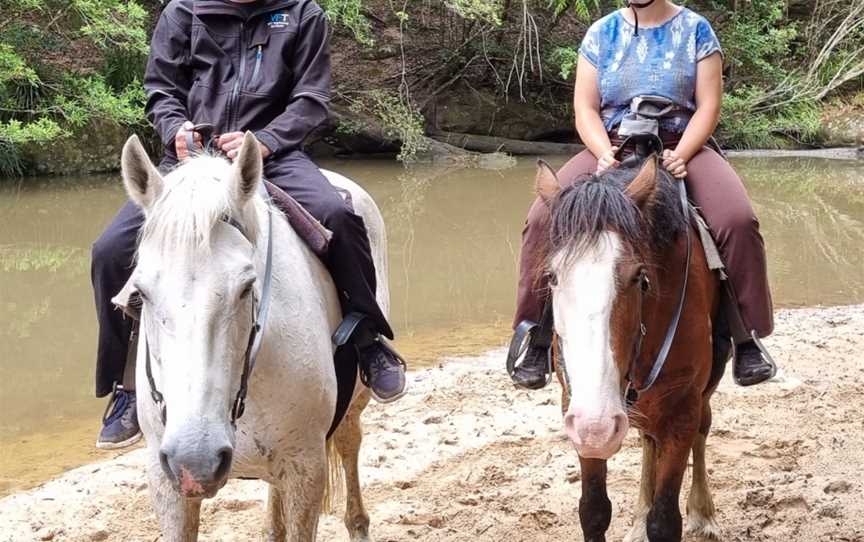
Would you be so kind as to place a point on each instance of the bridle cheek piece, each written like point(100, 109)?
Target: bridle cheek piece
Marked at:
point(260, 312)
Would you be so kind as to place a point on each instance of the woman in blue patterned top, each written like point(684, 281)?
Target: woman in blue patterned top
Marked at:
point(657, 48)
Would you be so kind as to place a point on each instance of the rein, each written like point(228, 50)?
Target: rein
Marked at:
point(259, 322)
point(631, 393)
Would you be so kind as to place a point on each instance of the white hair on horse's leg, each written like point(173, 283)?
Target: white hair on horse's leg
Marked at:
point(639, 531)
point(701, 514)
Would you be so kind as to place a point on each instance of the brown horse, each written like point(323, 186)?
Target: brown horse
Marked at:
point(617, 260)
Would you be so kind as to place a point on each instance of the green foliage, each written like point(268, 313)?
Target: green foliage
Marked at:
point(741, 129)
point(64, 64)
point(398, 119)
point(564, 59)
point(349, 14)
point(116, 24)
point(756, 40)
point(583, 8)
point(14, 133)
point(89, 98)
point(488, 11)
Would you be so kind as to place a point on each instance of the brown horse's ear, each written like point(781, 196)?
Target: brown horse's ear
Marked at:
point(642, 188)
point(546, 184)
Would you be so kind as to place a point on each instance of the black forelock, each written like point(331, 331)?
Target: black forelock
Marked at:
point(583, 211)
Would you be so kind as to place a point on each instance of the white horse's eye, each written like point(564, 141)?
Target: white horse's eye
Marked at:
point(553, 280)
point(246, 290)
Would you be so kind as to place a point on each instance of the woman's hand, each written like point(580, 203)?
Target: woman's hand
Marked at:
point(674, 164)
point(607, 160)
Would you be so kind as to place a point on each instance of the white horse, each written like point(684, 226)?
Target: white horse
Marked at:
point(199, 270)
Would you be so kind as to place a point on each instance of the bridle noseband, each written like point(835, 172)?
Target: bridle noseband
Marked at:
point(259, 321)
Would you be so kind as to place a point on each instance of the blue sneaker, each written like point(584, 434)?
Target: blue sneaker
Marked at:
point(119, 427)
point(382, 370)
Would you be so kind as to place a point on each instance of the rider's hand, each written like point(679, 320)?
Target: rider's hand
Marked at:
point(674, 164)
point(231, 142)
point(607, 160)
point(183, 151)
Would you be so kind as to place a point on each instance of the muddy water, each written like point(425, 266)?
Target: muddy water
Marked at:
point(454, 240)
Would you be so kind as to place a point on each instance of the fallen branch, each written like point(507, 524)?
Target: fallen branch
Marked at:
point(487, 144)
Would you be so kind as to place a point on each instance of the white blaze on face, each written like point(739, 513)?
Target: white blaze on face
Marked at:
point(583, 299)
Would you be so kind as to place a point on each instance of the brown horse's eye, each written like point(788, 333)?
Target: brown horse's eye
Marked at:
point(640, 278)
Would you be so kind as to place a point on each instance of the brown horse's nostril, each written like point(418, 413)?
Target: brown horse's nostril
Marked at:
point(225, 456)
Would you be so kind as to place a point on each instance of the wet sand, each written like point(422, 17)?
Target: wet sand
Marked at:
point(466, 457)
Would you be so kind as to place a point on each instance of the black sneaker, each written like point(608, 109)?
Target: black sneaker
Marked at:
point(533, 372)
point(119, 427)
point(751, 365)
point(382, 370)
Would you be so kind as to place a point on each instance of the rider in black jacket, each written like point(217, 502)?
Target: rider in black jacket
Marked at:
point(263, 66)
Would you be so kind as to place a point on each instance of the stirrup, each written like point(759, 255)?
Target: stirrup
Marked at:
point(535, 334)
point(765, 355)
point(357, 330)
point(519, 343)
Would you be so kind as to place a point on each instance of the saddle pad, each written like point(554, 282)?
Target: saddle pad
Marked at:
point(312, 232)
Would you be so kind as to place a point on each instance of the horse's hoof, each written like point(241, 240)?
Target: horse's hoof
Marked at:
point(700, 527)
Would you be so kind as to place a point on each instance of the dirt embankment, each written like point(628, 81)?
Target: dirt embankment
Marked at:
point(465, 457)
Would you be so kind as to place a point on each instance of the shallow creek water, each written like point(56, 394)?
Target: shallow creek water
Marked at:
point(454, 241)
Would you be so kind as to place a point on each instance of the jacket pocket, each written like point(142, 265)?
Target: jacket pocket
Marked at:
point(256, 71)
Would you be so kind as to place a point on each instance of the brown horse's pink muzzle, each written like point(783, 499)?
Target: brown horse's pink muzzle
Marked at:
point(595, 437)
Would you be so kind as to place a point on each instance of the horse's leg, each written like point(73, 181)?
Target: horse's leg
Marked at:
point(664, 518)
point(639, 532)
point(595, 509)
point(701, 517)
point(303, 494)
point(347, 439)
point(277, 532)
point(178, 517)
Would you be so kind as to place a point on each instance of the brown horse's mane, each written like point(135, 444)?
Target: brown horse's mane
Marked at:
point(586, 209)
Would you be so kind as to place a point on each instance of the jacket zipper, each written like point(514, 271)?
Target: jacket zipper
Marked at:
point(240, 74)
point(258, 55)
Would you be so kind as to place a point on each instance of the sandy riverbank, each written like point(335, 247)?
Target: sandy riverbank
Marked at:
point(466, 457)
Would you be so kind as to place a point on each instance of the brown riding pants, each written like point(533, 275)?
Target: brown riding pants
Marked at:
point(713, 186)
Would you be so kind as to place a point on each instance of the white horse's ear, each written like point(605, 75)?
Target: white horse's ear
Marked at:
point(140, 177)
point(546, 183)
point(248, 168)
point(643, 187)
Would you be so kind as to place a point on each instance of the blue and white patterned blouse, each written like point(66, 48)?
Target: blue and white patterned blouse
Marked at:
point(660, 61)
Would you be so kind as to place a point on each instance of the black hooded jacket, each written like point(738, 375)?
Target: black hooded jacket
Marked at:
point(261, 66)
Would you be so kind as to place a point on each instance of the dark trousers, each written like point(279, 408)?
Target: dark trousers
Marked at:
point(349, 258)
point(713, 186)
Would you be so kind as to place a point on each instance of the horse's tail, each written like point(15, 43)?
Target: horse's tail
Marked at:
point(335, 482)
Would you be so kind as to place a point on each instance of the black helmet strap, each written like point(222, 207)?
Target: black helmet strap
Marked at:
point(633, 6)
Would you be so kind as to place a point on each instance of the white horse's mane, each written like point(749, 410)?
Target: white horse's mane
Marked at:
point(196, 196)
